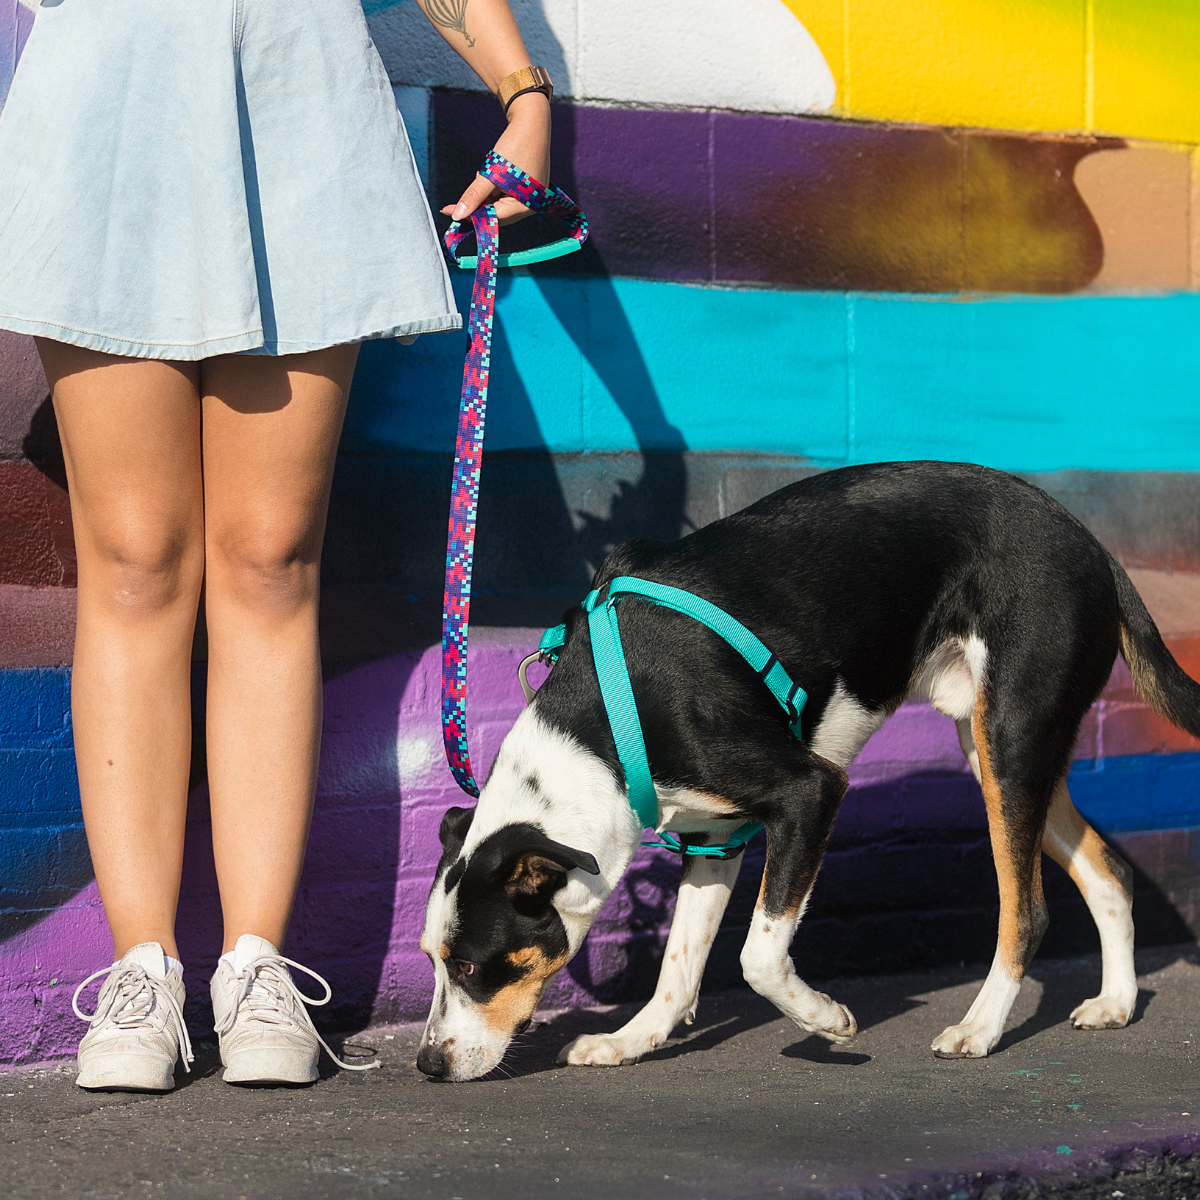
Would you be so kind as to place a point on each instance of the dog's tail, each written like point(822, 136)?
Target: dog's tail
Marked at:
point(1159, 679)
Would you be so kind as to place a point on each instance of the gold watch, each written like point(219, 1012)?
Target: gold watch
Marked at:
point(527, 79)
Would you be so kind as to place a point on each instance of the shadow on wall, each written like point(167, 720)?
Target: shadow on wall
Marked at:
point(390, 494)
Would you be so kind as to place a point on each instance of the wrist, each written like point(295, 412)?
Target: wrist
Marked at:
point(523, 82)
point(529, 108)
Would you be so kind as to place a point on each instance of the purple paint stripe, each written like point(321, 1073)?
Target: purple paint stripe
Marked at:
point(911, 838)
point(798, 202)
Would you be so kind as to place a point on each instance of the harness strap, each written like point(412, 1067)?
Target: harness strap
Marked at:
point(621, 707)
point(468, 447)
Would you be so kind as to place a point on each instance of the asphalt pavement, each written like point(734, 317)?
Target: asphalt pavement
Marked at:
point(741, 1104)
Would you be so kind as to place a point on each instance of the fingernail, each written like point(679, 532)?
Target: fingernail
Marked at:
point(460, 211)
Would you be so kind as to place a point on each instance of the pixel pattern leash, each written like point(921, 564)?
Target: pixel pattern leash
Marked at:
point(468, 447)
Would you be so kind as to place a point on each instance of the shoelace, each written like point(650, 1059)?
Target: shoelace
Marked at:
point(271, 993)
point(134, 996)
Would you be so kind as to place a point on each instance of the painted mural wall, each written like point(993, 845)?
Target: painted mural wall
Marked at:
point(824, 232)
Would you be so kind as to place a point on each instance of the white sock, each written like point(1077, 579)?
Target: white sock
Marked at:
point(173, 964)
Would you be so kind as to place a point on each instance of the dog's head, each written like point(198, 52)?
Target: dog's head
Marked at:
point(495, 937)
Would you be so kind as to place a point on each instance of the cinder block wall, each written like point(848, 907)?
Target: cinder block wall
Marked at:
point(824, 233)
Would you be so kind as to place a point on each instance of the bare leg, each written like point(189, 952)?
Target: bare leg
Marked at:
point(131, 439)
point(703, 894)
point(271, 428)
point(796, 841)
point(1107, 885)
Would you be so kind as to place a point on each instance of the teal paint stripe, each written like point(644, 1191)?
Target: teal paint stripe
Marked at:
point(1029, 384)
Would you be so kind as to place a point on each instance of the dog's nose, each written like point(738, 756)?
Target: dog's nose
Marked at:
point(432, 1062)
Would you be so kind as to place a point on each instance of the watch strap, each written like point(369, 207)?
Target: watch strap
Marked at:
point(527, 79)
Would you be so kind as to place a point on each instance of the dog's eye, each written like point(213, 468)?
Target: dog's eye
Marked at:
point(462, 967)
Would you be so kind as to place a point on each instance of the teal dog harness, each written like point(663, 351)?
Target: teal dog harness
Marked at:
point(621, 708)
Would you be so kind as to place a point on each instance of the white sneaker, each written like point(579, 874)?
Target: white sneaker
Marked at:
point(137, 1032)
point(265, 1030)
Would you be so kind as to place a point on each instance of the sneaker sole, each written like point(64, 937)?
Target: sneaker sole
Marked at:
point(126, 1079)
point(271, 1068)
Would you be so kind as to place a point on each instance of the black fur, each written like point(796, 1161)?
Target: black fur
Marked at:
point(856, 576)
point(506, 887)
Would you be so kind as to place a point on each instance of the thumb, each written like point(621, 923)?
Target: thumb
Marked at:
point(478, 193)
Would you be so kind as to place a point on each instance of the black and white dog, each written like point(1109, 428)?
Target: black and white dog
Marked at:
point(870, 584)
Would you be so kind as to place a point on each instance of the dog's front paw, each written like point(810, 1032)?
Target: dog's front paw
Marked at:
point(603, 1050)
point(964, 1041)
point(837, 1024)
point(1102, 1012)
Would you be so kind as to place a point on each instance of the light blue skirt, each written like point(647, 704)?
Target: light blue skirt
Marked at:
point(186, 178)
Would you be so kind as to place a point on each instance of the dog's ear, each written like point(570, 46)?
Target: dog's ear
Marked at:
point(453, 830)
point(539, 866)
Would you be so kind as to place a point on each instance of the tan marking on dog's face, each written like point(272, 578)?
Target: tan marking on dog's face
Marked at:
point(516, 1003)
point(444, 952)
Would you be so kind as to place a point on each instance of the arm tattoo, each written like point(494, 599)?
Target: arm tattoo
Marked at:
point(451, 14)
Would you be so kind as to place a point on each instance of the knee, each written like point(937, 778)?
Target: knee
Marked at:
point(265, 567)
point(143, 570)
point(758, 970)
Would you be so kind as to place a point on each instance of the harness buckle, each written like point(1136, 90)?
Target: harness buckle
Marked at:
point(793, 711)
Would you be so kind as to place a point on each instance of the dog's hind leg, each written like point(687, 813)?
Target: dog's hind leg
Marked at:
point(1106, 882)
point(703, 894)
point(797, 835)
point(1016, 792)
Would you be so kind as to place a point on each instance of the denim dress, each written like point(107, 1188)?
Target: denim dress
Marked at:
point(186, 178)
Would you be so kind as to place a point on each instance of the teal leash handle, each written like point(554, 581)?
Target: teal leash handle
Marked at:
point(525, 258)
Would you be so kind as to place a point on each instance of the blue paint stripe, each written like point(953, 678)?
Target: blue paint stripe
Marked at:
point(1021, 383)
point(1127, 793)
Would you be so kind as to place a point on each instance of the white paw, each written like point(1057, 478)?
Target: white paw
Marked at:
point(1102, 1012)
point(605, 1050)
point(964, 1041)
point(837, 1024)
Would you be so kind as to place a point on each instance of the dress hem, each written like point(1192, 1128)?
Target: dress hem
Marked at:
point(249, 342)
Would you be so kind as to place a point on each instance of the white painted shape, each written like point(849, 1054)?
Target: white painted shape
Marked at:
point(749, 55)
point(415, 53)
point(415, 755)
point(844, 727)
point(413, 103)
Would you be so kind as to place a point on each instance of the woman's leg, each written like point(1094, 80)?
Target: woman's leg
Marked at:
point(131, 439)
point(271, 428)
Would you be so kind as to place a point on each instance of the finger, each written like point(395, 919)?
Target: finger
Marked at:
point(480, 192)
point(509, 210)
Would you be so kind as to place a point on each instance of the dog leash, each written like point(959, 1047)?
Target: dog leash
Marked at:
point(621, 708)
point(468, 447)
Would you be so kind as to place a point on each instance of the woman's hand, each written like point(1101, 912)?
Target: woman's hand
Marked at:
point(526, 143)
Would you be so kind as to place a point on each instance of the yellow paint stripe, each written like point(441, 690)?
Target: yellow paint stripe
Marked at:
point(1127, 67)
